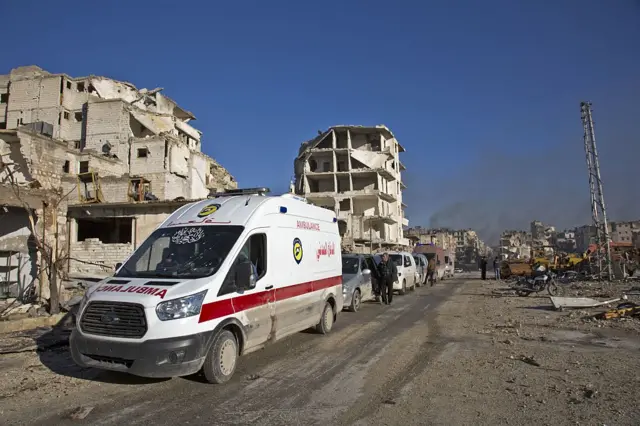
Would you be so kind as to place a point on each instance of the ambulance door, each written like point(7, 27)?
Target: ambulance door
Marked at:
point(296, 302)
point(255, 307)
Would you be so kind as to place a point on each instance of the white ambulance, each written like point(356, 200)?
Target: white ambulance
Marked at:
point(217, 279)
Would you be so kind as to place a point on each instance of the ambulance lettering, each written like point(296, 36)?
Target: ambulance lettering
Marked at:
point(151, 291)
point(326, 249)
point(302, 224)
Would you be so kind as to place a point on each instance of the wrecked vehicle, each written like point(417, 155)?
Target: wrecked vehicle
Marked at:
point(219, 278)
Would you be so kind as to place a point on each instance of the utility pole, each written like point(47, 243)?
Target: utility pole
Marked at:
point(598, 209)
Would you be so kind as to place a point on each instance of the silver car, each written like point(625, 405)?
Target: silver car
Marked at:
point(356, 281)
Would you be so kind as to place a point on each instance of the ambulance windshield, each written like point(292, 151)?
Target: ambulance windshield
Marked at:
point(181, 252)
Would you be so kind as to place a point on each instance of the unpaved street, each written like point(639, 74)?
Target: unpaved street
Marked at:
point(449, 355)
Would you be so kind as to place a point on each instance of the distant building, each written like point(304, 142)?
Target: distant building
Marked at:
point(356, 172)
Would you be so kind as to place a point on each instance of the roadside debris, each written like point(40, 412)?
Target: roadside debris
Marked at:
point(526, 359)
point(624, 310)
point(80, 413)
point(581, 302)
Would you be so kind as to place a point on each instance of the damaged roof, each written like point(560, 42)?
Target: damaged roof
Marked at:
point(34, 71)
point(380, 128)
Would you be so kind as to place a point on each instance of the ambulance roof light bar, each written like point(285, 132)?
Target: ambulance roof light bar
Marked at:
point(243, 191)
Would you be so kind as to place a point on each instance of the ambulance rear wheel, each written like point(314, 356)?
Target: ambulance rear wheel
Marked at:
point(326, 320)
point(221, 361)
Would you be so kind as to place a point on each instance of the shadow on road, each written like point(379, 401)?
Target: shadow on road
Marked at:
point(53, 352)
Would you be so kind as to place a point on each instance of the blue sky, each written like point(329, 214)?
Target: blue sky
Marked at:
point(484, 95)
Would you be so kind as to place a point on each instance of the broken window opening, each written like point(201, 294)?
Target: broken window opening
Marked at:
point(65, 167)
point(77, 116)
point(91, 89)
point(345, 205)
point(143, 152)
point(84, 167)
point(4, 98)
point(76, 144)
point(20, 122)
point(314, 186)
point(342, 140)
point(65, 115)
point(80, 86)
point(326, 143)
point(117, 230)
point(326, 166)
point(69, 85)
point(3, 125)
point(343, 184)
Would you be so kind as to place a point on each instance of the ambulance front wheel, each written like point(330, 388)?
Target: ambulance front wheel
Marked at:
point(326, 320)
point(220, 363)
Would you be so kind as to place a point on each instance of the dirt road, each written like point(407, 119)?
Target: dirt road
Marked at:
point(368, 358)
point(450, 355)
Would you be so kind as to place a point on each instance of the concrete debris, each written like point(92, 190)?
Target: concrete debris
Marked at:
point(81, 413)
point(581, 302)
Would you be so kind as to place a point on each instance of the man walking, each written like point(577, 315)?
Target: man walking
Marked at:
point(431, 271)
point(483, 267)
point(388, 274)
point(496, 268)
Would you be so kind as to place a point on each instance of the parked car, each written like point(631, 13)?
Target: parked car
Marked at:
point(358, 274)
point(406, 271)
point(421, 268)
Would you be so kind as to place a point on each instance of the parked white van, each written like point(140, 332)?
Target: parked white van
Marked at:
point(406, 265)
point(217, 279)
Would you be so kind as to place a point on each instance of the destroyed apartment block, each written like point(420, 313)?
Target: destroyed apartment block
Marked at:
point(515, 245)
point(355, 171)
point(110, 161)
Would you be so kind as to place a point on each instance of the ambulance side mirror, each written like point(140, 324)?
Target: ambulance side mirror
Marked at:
point(244, 276)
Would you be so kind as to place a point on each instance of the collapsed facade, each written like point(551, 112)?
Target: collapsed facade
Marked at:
point(356, 172)
point(543, 238)
point(111, 160)
point(515, 245)
point(441, 237)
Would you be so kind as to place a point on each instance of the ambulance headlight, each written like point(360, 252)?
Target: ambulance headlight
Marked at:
point(184, 307)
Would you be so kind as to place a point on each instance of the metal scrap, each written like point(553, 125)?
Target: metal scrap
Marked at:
point(624, 310)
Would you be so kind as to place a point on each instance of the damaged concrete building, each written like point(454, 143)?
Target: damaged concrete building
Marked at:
point(515, 245)
point(543, 237)
point(356, 172)
point(116, 160)
point(622, 232)
point(441, 237)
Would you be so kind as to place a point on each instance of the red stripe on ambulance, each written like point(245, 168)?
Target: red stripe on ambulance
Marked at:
point(223, 308)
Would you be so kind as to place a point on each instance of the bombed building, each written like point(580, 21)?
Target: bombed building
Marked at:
point(356, 171)
point(109, 161)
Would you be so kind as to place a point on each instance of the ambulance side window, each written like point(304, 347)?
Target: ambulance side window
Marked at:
point(256, 249)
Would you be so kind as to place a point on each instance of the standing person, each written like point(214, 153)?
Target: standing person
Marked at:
point(431, 270)
point(388, 274)
point(483, 267)
point(496, 268)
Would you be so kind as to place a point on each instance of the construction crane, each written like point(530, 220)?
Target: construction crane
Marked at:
point(598, 209)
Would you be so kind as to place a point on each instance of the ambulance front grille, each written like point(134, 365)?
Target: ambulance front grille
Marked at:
point(114, 319)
